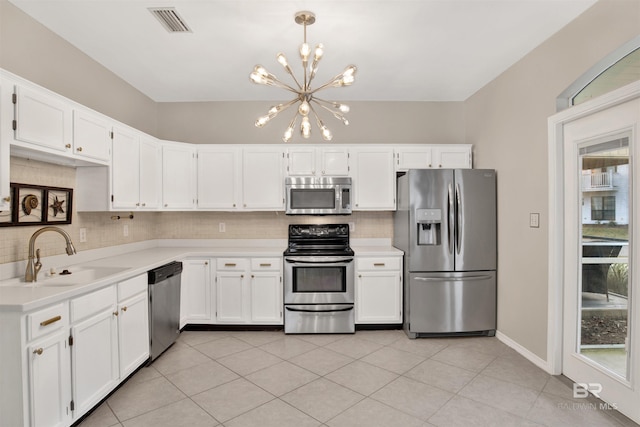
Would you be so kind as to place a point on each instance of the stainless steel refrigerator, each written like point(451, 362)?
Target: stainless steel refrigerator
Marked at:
point(445, 223)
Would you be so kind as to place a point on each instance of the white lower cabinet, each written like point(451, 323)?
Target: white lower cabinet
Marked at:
point(133, 324)
point(235, 291)
point(195, 291)
point(73, 354)
point(232, 290)
point(266, 290)
point(378, 290)
point(94, 347)
point(50, 391)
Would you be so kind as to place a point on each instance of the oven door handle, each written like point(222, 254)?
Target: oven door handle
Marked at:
point(303, 310)
point(317, 260)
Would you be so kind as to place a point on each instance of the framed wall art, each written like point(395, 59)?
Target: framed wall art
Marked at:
point(38, 205)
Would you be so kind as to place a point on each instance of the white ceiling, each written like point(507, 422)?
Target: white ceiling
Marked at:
point(405, 50)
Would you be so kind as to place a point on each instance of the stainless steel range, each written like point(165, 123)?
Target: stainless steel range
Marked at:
point(319, 280)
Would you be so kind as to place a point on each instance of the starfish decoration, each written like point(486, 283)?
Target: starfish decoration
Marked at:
point(57, 206)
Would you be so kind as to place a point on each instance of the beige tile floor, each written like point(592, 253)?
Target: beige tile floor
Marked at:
point(372, 378)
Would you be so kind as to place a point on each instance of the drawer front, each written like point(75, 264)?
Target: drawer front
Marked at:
point(92, 303)
point(266, 264)
point(232, 264)
point(130, 287)
point(47, 320)
point(390, 263)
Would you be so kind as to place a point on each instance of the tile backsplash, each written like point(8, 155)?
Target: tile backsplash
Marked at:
point(103, 231)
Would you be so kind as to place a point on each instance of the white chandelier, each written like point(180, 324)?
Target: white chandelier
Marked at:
point(304, 94)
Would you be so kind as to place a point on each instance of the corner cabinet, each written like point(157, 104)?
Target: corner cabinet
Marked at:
point(378, 292)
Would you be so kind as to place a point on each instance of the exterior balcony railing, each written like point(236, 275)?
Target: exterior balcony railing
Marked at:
point(597, 181)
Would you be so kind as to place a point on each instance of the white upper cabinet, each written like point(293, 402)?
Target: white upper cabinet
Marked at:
point(125, 173)
point(91, 135)
point(452, 156)
point(178, 175)
point(317, 161)
point(262, 178)
point(418, 156)
point(374, 180)
point(219, 177)
point(42, 119)
point(150, 176)
point(413, 157)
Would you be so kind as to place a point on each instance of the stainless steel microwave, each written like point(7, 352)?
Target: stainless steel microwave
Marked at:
point(311, 195)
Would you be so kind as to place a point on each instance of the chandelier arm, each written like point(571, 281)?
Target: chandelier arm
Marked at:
point(290, 72)
point(278, 83)
point(337, 114)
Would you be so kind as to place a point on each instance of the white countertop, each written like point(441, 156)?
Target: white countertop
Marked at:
point(131, 260)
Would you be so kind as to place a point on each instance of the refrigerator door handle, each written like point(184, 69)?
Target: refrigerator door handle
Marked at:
point(458, 214)
point(450, 218)
point(453, 279)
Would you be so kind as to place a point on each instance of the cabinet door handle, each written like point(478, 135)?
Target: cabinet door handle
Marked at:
point(38, 351)
point(115, 313)
point(124, 308)
point(230, 264)
point(206, 263)
point(242, 276)
point(252, 276)
point(79, 148)
point(50, 321)
point(378, 264)
point(7, 199)
point(67, 146)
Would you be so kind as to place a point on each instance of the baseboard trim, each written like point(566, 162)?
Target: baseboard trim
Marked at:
point(531, 357)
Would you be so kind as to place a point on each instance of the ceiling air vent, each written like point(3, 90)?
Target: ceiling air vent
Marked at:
point(170, 19)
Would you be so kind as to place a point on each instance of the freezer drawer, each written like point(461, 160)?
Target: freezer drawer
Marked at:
point(450, 303)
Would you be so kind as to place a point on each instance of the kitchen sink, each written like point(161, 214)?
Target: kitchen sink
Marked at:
point(75, 276)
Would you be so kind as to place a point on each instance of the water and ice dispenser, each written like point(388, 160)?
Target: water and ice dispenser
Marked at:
point(429, 222)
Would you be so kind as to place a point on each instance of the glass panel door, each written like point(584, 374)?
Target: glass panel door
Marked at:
point(604, 259)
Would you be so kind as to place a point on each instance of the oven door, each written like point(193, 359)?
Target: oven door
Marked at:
point(318, 280)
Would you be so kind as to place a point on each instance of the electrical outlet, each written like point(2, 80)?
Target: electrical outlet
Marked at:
point(534, 220)
point(126, 230)
point(222, 227)
point(83, 235)
point(352, 227)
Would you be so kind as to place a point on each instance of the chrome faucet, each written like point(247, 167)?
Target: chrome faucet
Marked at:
point(31, 274)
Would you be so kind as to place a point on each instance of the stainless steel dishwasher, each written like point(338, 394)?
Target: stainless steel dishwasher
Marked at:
point(164, 307)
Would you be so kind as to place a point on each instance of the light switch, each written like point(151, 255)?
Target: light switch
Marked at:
point(534, 220)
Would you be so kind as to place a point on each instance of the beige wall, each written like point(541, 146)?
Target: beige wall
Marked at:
point(31, 51)
point(369, 122)
point(507, 123)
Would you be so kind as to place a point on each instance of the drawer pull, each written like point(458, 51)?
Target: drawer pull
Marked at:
point(115, 313)
point(50, 321)
point(124, 308)
point(230, 264)
point(38, 351)
point(267, 264)
point(378, 264)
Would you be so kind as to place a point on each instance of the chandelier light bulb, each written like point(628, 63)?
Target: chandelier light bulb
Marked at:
point(288, 134)
point(326, 133)
point(305, 51)
point(305, 127)
point(304, 94)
